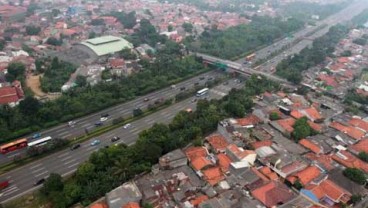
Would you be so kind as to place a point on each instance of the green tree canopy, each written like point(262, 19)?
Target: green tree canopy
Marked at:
point(355, 175)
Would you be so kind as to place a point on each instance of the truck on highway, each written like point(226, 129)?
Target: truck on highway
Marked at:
point(4, 184)
point(250, 57)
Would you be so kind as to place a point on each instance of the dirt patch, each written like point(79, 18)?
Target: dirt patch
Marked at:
point(33, 82)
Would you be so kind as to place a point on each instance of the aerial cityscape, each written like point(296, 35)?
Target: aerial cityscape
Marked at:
point(183, 103)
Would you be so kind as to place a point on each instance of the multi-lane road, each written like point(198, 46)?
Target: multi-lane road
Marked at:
point(67, 161)
point(344, 15)
point(122, 110)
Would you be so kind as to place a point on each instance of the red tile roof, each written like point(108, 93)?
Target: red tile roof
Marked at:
point(239, 153)
point(296, 114)
point(249, 120)
point(224, 162)
point(343, 60)
point(99, 205)
point(361, 146)
point(359, 123)
point(328, 80)
point(259, 144)
point(272, 194)
point(325, 160)
point(194, 152)
point(349, 160)
point(310, 145)
point(115, 63)
point(313, 114)
point(8, 95)
point(131, 205)
point(198, 200)
point(349, 130)
point(287, 124)
point(305, 176)
point(331, 190)
point(218, 142)
point(213, 175)
point(200, 162)
point(266, 171)
point(315, 126)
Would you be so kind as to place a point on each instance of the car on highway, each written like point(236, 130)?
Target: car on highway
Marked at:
point(115, 138)
point(197, 83)
point(4, 184)
point(226, 83)
point(39, 182)
point(173, 86)
point(201, 78)
point(210, 78)
point(182, 88)
point(102, 119)
point(95, 142)
point(188, 110)
point(98, 123)
point(146, 99)
point(127, 125)
point(36, 136)
point(71, 123)
point(193, 100)
point(105, 115)
point(75, 146)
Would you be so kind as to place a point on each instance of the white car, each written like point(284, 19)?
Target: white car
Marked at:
point(71, 123)
point(102, 119)
point(127, 125)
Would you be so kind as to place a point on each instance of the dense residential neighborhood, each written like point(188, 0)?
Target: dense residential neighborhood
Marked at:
point(184, 103)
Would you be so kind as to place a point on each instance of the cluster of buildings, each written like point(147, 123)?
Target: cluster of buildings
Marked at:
point(255, 162)
point(337, 75)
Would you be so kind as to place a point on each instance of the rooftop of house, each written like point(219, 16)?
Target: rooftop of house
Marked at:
point(348, 160)
point(361, 146)
point(194, 152)
point(218, 142)
point(273, 193)
point(224, 162)
point(353, 132)
point(329, 189)
point(213, 175)
point(249, 120)
point(305, 176)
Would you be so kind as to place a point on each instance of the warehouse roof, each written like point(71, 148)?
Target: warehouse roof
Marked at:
point(106, 44)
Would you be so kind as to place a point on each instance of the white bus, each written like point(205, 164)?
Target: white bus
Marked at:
point(202, 92)
point(39, 142)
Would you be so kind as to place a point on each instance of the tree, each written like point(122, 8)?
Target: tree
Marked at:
point(121, 168)
point(355, 175)
point(188, 27)
point(91, 35)
point(274, 116)
point(97, 22)
point(55, 12)
point(15, 71)
point(53, 183)
point(356, 198)
point(81, 81)
point(360, 41)
point(54, 41)
point(29, 106)
point(363, 156)
point(170, 28)
point(301, 129)
point(346, 53)
point(32, 30)
point(127, 53)
point(32, 8)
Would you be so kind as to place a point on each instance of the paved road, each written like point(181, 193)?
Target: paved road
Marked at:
point(66, 162)
point(341, 16)
point(121, 110)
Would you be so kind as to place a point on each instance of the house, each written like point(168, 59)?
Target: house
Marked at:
point(273, 194)
point(11, 95)
point(348, 160)
point(319, 144)
point(249, 121)
point(359, 123)
point(124, 194)
point(361, 146)
point(324, 162)
point(241, 158)
point(132, 205)
point(173, 159)
point(327, 193)
point(213, 175)
point(338, 177)
point(224, 162)
point(305, 176)
point(351, 131)
point(217, 142)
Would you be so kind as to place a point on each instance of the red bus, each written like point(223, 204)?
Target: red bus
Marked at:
point(4, 184)
point(18, 144)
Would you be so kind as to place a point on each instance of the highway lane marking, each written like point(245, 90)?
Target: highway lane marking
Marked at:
point(70, 161)
point(35, 166)
point(72, 165)
point(13, 155)
point(85, 125)
point(151, 122)
point(62, 155)
point(38, 170)
point(63, 133)
point(45, 172)
point(60, 130)
point(68, 135)
point(134, 130)
point(66, 158)
point(69, 172)
point(90, 148)
point(10, 191)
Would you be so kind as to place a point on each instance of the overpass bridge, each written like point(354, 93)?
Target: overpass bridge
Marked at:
point(236, 67)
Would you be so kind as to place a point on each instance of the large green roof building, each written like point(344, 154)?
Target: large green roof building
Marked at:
point(105, 45)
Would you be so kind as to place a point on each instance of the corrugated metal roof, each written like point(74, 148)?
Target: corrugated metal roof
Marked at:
point(107, 44)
